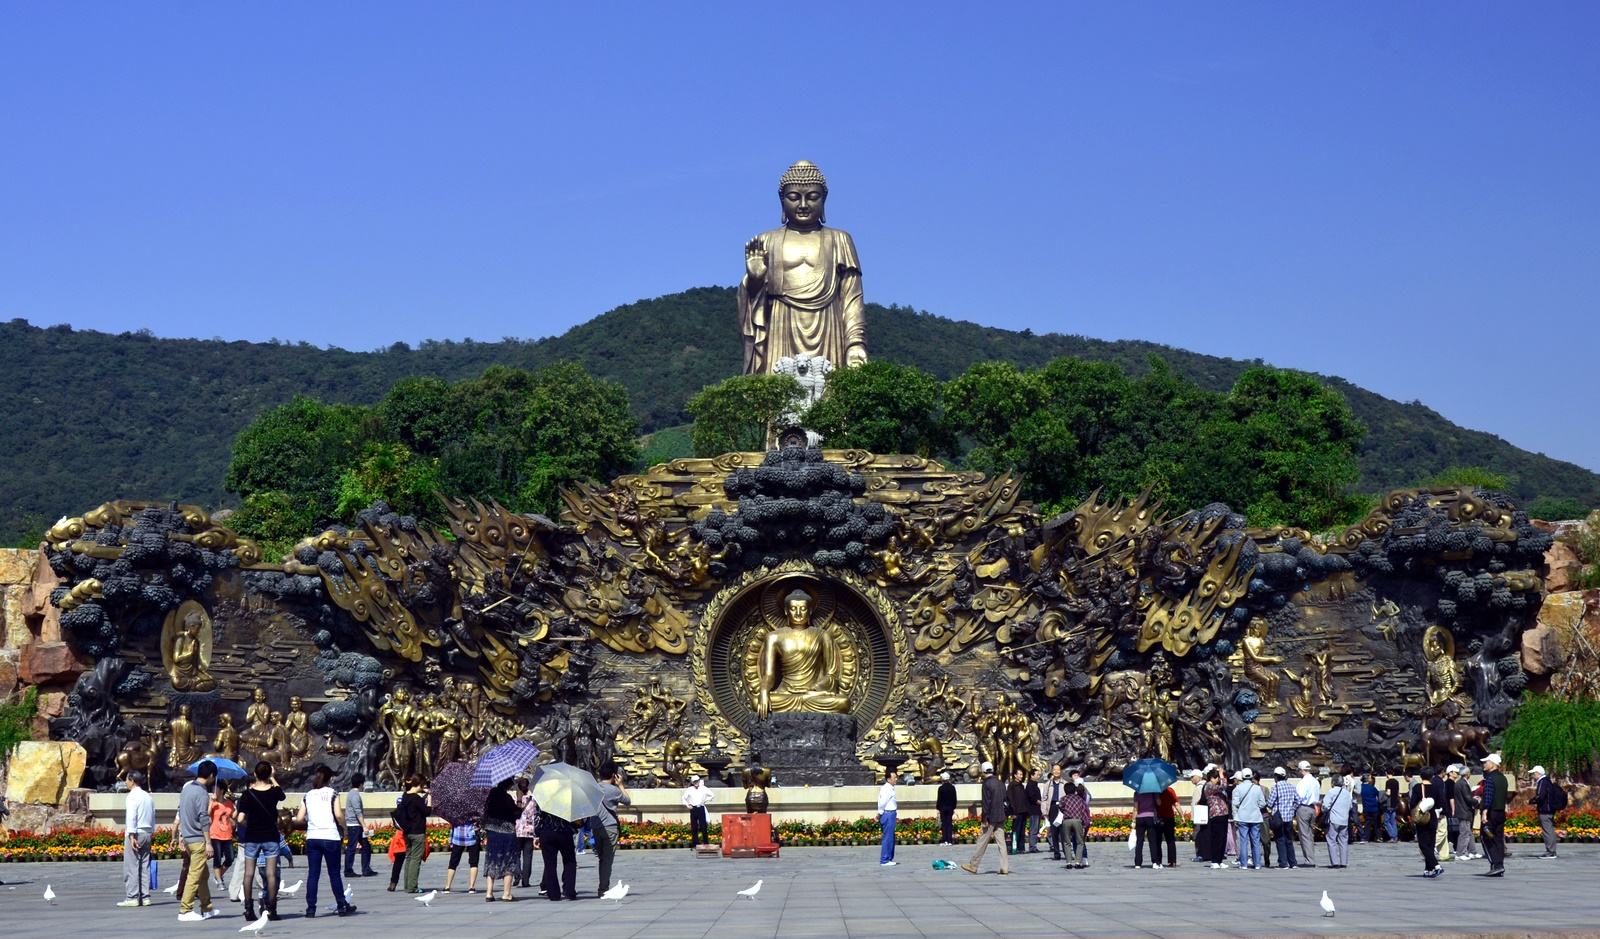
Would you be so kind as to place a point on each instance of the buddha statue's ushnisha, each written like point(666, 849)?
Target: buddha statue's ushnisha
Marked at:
point(799, 667)
point(801, 291)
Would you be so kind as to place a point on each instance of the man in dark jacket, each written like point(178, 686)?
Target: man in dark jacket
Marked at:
point(1051, 789)
point(947, 809)
point(1440, 790)
point(994, 821)
point(1020, 811)
point(1495, 789)
point(1463, 806)
point(1546, 802)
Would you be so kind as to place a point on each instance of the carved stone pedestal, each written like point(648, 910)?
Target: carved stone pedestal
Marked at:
point(815, 749)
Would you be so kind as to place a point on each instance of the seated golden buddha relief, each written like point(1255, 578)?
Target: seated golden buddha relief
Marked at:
point(806, 664)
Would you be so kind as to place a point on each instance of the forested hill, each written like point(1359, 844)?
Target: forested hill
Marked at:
point(86, 417)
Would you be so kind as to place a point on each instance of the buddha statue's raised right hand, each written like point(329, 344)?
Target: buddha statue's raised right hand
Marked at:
point(755, 259)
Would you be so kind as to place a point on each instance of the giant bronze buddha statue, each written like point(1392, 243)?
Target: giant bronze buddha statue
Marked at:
point(799, 665)
point(801, 291)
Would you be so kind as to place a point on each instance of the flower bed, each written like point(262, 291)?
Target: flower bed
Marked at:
point(95, 844)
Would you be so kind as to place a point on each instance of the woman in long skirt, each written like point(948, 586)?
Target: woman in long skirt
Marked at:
point(500, 814)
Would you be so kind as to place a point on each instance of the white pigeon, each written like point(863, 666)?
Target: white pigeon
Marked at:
point(256, 926)
point(616, 893)
point(751, 891)
point(293, 888)
point(50, 894)
point(427, 898)
point(172, 889)
point(1327, 904)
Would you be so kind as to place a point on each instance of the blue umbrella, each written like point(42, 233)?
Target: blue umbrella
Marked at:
point(1149, 775)
point(503, 762)
point(226, 768)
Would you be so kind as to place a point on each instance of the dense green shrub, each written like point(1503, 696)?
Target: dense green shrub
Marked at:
point(1562, 736)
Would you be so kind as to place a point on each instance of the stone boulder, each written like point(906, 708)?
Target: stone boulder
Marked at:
point(1563, 612)
point(1542, 652)
point(42, 772)
point(1564, 566)
point(9, 675)
point(45, 663)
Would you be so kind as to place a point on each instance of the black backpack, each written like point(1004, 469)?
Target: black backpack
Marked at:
point(1555, 797)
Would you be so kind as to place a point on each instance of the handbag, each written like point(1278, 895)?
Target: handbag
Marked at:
point(1202, 813)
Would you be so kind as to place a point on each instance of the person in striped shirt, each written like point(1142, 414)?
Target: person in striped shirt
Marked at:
point(1281, 803)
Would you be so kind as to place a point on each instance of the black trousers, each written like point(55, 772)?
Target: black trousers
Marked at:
point(567, 852)
point(525, 865)
point(355, 839)
point(1426, 833)
point(1019, 833)
point(947, 826)
point(1169, 834)
point(1284, 835)
point(698, 829)
point(1145, 828)
point(1494, 838)
point(1058, 841)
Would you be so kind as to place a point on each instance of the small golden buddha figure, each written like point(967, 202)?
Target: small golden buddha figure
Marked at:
point(801, 292)
point(257, 718)
point(191, 654)
point(226, 744)
point(799, 666)
point(1258, 662)
point(277, 743)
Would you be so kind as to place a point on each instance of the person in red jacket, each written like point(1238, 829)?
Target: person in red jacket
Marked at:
point(1167, 819)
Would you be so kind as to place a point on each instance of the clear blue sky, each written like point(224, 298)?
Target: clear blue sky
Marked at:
point(1403, 194)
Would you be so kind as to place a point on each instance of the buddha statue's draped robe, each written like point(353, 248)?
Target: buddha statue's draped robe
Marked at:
point(812, 309)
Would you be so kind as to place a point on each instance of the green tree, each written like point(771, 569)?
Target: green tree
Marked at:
point(1285, 450)
point(299, 450)
point(574, 426)
point(1563, 736)
point(883, 408)
point(1556, 508)
point(392, 473)
point(1005, 413)
point(16, 721)
point(735, 415)
point(1468, 477)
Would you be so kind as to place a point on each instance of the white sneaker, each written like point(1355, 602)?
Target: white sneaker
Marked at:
point(193, 916)
point(1156, 865)
point(888, 863)
point(208, 914)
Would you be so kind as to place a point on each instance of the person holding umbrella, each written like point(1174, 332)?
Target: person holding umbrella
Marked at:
point(500, 825)
point(1148, 778)
point(565, 795)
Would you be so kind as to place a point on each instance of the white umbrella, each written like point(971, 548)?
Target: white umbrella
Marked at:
point(566, 791)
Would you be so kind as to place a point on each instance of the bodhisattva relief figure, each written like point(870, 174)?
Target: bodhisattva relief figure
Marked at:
point(397, 719)
point(226, 744)
point(183, 750)
point(801, 291)
point(298, 725)
point(1258, 662)
point(1444, 673)
point(799, 665)
point(188, 650)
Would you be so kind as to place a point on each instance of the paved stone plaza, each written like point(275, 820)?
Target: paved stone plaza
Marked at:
point(823, 893)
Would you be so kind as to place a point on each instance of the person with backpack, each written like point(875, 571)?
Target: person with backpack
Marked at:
point(1425, 818)
point(1548, 799)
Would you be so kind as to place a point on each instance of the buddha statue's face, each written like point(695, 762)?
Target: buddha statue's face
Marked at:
point(802, 205)
point(260, 696)
point(799, 612)
point(294, 704)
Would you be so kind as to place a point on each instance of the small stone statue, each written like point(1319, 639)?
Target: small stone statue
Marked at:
point(183, 750)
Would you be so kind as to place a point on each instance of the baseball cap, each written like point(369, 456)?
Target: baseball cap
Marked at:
point(1537, 770)
point(988, 767)
point(694, 779)
point(1246, 774)
point(1491, 758)
point(1304, 765)
point(945, 776)
point(1195, 772)
point(1279, 771)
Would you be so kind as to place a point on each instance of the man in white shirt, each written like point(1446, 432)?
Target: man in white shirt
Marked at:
point(695, 798)
point(138, 824)
point(887, 807)
point(1308, 791)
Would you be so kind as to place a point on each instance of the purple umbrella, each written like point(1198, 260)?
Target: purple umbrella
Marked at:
point(454, 798)
point(503, 762)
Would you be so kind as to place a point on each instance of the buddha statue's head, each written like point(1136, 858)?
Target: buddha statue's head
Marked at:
point(226, 720)
point(260, 696)
point(797, 606)
point(803, 192)
point(183, 711)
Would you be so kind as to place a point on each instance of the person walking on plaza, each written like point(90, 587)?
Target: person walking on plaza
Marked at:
point(500, 830)
point(411, 817)
point(1088, 799)
point(1017, 808)
point(1051, 793)
point(1145, 828)
point(1035, 794)
point(695, 798)
point(527, 818)
point(1440, 790)
point(613, 795)
point(1337, 807)
point(322, 813)
point(355, 830)
point(1425, 822)
point(1463, 809)
point(888, 809)
point(945, 802)
point(1371, 814)
point(1283, 802)
point(1391, 805)
point(221, 833)
point(257, 809)
point(138, 826)
point(1197, 811)
point(993, 807)
point(1218, 814)
point(1305, 813)
point(1548, 799)
point(194, 833)
point(1073, 811)
point(1249, 799)
point(464, 840)
point(1495, 790)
